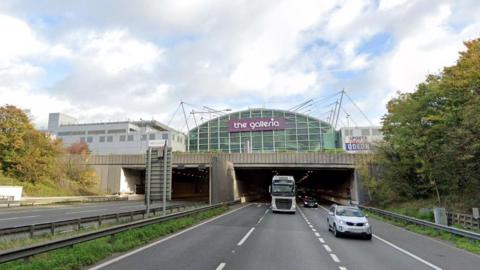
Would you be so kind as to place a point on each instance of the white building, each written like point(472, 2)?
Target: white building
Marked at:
point(360, 139)
point(126, 137)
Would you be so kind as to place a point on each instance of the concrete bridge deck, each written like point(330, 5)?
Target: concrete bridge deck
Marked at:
point(324, 160)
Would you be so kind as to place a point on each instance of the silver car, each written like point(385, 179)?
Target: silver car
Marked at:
point(348, 220)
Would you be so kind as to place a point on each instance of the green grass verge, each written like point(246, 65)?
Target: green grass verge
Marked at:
point(48, 189)
point(460, 242)
point(88, 253)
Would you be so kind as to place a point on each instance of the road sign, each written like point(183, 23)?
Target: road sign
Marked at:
point(156, 143)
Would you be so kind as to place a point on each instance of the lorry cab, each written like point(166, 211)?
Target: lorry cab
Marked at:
point(283, 193)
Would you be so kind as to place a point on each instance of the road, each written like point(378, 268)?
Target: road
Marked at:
point(251, 237)
point(18, 216)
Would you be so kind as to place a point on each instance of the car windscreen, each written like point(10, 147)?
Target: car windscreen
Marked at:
point(349, 212)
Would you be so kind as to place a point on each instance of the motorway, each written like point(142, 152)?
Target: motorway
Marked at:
point(251, 237)
point(18, 216)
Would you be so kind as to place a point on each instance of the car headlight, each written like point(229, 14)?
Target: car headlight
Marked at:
point(341, 222)
point(367, 225)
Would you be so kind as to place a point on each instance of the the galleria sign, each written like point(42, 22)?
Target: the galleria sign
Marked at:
point(256, 124)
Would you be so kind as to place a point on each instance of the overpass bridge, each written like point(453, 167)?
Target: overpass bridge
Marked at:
point(219, 177)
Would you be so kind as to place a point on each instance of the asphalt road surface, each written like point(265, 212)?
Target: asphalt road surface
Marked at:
point(251, 237)
point(18, 216)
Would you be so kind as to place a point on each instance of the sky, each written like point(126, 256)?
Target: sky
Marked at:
point(116, 60)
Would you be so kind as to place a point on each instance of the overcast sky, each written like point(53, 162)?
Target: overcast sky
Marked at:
point(117, 60)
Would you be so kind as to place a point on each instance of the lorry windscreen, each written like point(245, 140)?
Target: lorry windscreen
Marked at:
point(282, 189)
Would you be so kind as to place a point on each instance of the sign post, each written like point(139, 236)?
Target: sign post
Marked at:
point(165, 152)
point(147, 191)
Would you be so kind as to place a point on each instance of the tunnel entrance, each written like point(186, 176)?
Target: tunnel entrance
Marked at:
point(132, 181)
point(324, 184)
point(190, 184)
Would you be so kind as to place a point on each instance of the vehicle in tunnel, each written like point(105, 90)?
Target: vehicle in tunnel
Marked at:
point(310, 202)
point(348, 220)
point(282, 192)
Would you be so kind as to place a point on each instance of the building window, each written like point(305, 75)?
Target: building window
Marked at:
point(82, 139)
point(102, 139)
point(93, 132)
point(130, 138)
point(89, 139)
point(151, 136)
point(143, 137)
point(376, 132)
point(365, 132)
point(122, 138)
point(109, 138)
point(164, 136)
point(116, 131)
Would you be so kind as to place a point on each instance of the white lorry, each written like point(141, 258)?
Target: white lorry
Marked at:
point(283, 192)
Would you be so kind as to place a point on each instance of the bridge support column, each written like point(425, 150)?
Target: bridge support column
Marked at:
point(223, 186)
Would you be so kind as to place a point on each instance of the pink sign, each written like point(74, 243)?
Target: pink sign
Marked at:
point(256, 124)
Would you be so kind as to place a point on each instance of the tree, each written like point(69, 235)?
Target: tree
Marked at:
point(432, 136)
point(34, 158)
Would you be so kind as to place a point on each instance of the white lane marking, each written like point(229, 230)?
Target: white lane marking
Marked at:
point(260, 220)
point(314, 230)
point(163, 240)
point(220, 266)
point(259, 205)
point(342, 268)
point(266, 211)
point(335, 258)
point(85, 211)
point(327, 248)
point(317, 234)
point(245, 237)
point(407, 253)
point(12, 218)
point(311, 226)
point(321, 240)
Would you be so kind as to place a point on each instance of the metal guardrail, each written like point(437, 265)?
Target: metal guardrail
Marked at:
point(416, 221)
point(29, 251)
point(78, 223)
point(8, 200)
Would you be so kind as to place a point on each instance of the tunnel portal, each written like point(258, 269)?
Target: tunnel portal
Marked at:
point(323, 184)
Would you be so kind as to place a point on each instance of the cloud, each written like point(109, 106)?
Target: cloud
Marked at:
point(100, 64)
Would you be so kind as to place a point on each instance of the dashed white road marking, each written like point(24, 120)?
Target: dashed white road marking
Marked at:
point(327, 248)
point(245, 237)
point(121, 257)
point(314, 229)
point(317, 234)
point(335, 258)
point(311, 226)
point(342, 268)
point(402, 250)
point(321, 240)
point(260, 220)
point(220, 266)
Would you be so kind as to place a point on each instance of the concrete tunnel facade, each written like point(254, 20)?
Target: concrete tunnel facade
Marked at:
point(219, 177)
